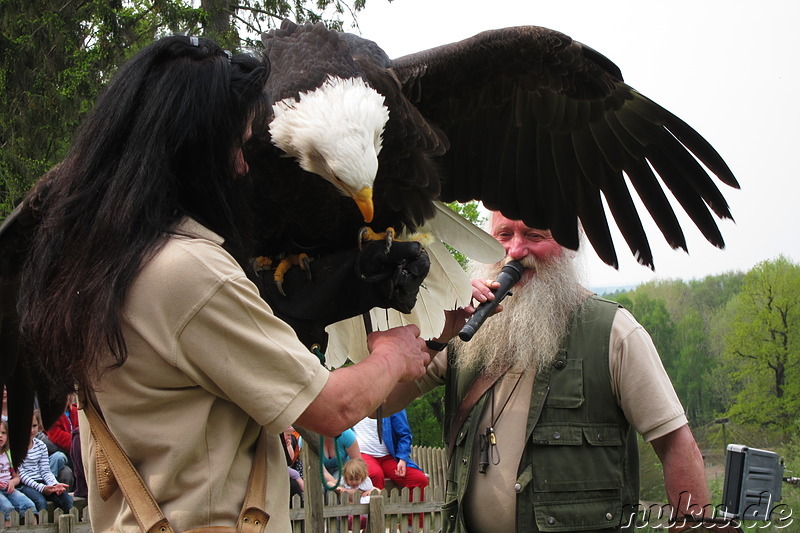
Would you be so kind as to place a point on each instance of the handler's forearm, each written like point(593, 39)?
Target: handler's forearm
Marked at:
point(684, 473)
point(351, 394)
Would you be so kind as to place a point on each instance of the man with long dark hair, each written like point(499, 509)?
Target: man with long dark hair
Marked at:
point(136, 289)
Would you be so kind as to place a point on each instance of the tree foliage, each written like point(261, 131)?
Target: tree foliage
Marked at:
point(679, 316)
point(762, 344)
point(55, 56)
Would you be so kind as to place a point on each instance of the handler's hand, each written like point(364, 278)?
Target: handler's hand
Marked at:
point(403, 348)
point(482, 292)
point(455, 319)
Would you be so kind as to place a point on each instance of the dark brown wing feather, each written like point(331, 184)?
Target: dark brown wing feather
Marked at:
point(543, 128)
point(21, 377)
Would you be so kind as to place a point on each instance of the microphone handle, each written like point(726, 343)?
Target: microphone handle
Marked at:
point(477, 319)
point(508, 277)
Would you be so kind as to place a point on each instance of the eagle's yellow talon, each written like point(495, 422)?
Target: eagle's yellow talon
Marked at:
point(305, 265)
point(288, 262)
point(262, 263)
point(366, 234)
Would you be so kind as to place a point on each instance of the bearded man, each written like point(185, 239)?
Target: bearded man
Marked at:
point(544, 403)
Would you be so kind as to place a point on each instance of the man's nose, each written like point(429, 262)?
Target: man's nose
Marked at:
point(517, 249)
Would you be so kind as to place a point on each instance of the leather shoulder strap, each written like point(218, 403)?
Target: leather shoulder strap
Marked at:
point(114, 469)
point(253, 518)
point(112, 462)
point(482, 383)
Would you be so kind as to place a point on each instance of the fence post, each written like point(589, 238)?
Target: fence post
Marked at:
point(376, 516)
point(313, 483)
point(66, 523)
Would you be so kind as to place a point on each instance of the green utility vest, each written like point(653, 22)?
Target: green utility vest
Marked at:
point(580, 467)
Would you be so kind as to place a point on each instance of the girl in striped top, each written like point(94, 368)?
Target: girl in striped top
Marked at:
point(38, 482)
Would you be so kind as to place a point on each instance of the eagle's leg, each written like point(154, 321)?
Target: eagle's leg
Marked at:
point(301, 260)
point(263, 263)
point(288, 262)
point(366, 234)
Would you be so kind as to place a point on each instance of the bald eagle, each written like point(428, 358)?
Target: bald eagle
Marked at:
point(524, 119)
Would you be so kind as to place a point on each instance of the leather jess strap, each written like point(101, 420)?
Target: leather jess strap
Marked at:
point(482, 383)
point(114, 469)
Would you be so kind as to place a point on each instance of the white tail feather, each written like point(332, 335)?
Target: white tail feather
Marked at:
point(464, 236)
point(346, 340)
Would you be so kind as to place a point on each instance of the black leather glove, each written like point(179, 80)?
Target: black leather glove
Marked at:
point(345, 284)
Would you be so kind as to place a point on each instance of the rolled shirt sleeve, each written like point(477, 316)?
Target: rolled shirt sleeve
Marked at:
point(641, 385)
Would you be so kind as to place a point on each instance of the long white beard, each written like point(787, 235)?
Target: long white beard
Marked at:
point(530, 329)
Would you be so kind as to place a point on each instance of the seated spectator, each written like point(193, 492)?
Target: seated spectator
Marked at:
point(292, 447)
point(58, 459)
point(296, 485)
point(392, 457)
point(334, 453)
point(38, 482)
point(10, 498)
point(62, 435)
point(294, 444)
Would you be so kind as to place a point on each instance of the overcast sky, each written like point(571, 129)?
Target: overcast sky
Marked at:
point(729, 68)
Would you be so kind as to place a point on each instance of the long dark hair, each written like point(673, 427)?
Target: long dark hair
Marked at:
point(159, 145)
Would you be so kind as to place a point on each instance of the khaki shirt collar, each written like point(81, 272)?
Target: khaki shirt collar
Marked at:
point(192, 228)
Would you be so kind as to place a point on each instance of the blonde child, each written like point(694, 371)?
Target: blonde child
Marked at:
point(38, 482)
point(356, 479)
point(10, 498)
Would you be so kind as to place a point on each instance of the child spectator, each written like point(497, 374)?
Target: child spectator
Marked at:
point(354, 474)
point(62, 435)
point(10, 498)
point(59, 462)
point(334, 453)
point(61, 432)
point(38, 482)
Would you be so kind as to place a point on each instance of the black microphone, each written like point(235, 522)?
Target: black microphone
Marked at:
point(507, 278)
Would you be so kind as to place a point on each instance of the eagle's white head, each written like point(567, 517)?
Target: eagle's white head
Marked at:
point(335, 131)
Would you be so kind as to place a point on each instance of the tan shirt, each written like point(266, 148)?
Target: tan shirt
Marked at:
point(208, 365)
point(643, 390)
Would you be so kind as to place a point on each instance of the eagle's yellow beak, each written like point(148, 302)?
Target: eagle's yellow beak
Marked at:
point(363, 200)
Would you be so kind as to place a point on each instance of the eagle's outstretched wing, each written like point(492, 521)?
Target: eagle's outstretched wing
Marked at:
point(21, 377)
point(543, 128)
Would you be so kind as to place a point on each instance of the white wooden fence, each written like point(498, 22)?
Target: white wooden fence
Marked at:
point(388, 509)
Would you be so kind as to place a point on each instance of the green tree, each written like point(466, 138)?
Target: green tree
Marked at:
point(692, 368)
point(425, 417)
point(56, 55)
point(652, 314)
point(693, 359)
point(763, 343)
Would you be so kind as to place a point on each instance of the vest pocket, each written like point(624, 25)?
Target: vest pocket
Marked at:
point(452, 516)
point(587, 514)
point(576, 457)
point(566, 385)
